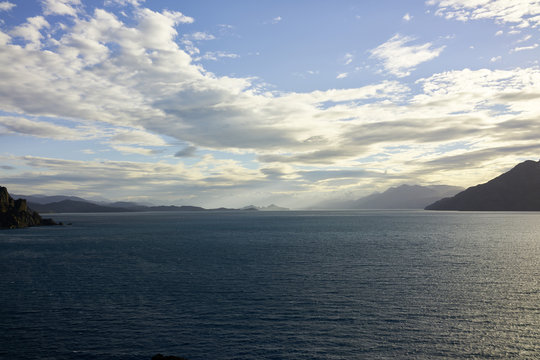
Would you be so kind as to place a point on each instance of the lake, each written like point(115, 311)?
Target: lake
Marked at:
point(273, 285)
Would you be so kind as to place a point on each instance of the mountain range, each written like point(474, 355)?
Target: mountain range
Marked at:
point(515, 190)
point(400, 197)
point(74, 204)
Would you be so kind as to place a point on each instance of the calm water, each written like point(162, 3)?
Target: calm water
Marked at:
point(295, 285)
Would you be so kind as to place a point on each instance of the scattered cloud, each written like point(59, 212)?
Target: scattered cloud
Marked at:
point(342, 75)
point(216, 55)
point(31, 31)
point(6, 6)
point(135, 3)
point(523, 48)
point(276, 19)
point(348, 58)
point(522, 13)
point(61, 7)
point(525, 38)
point(407, 17)
point(495, 59)
point(399, 58)
point(200, 36)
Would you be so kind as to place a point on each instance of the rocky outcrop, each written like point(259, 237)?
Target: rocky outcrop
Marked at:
point(16, 214)
point(515, 190)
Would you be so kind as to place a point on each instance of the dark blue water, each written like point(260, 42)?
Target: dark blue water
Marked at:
point(295, 285)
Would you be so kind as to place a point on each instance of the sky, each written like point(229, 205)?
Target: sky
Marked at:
point(230, 103)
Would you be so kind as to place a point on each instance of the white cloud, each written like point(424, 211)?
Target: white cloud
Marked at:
point(499, 33)
point(523, 13)
point(407, 17)
point(6, 6)
point(216, 55)
point(399, 58)
point(31, 31)
point(4, 38)
point(276, 19)
point(199, 36)
point(61, 7)
point(348, 58)
point(495, 59)
point(523, 48)
point(135, 3)
point(342, 75)
point(525, 38)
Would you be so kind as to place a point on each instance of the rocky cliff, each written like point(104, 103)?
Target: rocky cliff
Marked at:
point(515, 190)
point(16, 214)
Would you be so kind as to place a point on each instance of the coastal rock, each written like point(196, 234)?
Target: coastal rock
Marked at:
point(515, 190)
point(16, 214)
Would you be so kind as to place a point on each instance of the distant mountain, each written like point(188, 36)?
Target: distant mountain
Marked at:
point(400, 197)
point(68, 205)
point(44, 199)
point(270, 207)
point(515, 190)
point(406, 197)
point(174, 208)
point(127, 205)
point(71, 206)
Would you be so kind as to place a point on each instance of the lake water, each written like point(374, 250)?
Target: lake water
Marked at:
point(286, 285)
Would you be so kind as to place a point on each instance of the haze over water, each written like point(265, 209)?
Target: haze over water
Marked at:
point(295, 285)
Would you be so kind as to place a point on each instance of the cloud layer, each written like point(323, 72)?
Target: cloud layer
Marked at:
point(133, 87)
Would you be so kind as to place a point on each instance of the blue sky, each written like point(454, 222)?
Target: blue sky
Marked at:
point(217, 103)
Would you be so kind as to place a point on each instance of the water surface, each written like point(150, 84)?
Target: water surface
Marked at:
point(291, 285)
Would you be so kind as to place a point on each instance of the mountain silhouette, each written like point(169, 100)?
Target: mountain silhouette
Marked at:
point(515, 190)
point(400, 197)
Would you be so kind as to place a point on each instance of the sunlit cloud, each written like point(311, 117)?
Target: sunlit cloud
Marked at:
point(400, 58)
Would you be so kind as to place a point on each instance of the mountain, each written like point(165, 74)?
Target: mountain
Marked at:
point(400, 197)
point(515, 190)
point(16, 214)
point(174, 208)
point(406, 197)
point(71, 206)
point(68, 205)
point(44, 199)
point(271, 207)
